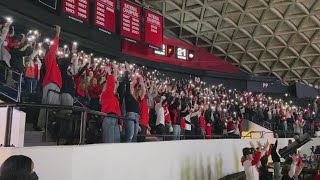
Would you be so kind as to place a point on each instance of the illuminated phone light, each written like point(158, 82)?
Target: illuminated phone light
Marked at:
point(9, 19)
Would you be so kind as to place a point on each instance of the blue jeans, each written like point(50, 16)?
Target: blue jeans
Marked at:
point(31, 84)
point(110, 130)
point(176, 131)
point(131, 126)
point(285, 126)
point(276, 167)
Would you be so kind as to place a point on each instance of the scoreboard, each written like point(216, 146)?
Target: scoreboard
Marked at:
point(180, 52)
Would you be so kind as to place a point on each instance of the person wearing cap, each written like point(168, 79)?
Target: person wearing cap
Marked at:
point(251, 159)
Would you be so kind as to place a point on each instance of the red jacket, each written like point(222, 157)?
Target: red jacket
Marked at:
point(166, 113)
point(202, 122)
point(144, 112)
point(208, 132)
point(240, 126)
point(109, 102)
point(94, 91)
point(53, 74)
point(11, 44)
point(174, 116)
point(77, 82)
point(230, 126)
point(183, 123)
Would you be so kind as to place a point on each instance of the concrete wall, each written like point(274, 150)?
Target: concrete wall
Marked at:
point(18, 126)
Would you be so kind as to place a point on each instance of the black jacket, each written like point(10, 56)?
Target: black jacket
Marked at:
point(274, 155)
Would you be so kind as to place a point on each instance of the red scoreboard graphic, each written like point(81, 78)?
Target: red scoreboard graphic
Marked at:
point(77, 10)
point(105, 15)
point(130, 21)
point(153, 29)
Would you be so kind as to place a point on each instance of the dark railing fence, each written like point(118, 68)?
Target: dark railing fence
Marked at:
point(84, 117)
point(85, 112)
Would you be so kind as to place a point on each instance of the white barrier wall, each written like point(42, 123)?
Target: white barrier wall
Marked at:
point(176, 160)
point(18, 126)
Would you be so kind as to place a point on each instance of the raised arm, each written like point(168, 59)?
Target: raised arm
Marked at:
point(54, 47)
point(143, 89)
point(5, 32)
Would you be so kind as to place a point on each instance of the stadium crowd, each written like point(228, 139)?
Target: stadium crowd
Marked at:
point(153, 102)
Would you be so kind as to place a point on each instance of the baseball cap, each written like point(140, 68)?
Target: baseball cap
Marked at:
point(246, 151)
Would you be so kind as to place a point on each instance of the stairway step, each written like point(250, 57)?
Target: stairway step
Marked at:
point(33, 136)
point(40, 144)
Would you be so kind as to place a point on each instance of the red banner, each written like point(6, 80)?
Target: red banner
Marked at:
point(130, 21)
point(153, 29)
point(77, 9)
point(105, 15)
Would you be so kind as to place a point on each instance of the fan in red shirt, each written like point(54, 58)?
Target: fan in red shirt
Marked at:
point(94, 91)
point(110, 105)
point(144, 111)
point(202, 124)
point(52, 81)
point(230, 126)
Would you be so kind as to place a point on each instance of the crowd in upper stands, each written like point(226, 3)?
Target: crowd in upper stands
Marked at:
point(152, 102)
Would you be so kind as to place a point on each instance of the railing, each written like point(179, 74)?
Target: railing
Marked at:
point(249, 134)
point(84, 117)
point(10, 83)
point(267, 125)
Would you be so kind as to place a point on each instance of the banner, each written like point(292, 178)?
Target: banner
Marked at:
point(105, 15)
point(77, 10)
point(153, 29)
point(130, 21)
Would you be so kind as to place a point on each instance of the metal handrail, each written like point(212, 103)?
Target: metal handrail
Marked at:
point(254, 132)
point(84, 112)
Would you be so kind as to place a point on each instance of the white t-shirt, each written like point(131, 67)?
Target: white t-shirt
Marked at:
point(160, 114)
point(250, 170)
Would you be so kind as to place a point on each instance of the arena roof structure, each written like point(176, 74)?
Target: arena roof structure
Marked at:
point(268, 37)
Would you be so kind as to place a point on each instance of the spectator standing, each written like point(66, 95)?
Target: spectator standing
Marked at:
point(144, 111)
point(52, 80)
point(110, 105)
point(250, 160)
point(94, 91)
point(32, 71)
point(174, 110)
point(276, 159)
point(160, 122)
point(202, 123)
point(298, 126)
point(132, 107)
